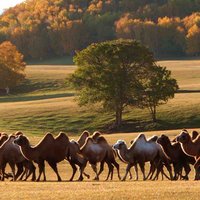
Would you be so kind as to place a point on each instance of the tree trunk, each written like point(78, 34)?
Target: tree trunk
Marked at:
point(153, 114)
point(118, 117)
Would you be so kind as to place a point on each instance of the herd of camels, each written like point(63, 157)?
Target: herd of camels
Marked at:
point(176, 156)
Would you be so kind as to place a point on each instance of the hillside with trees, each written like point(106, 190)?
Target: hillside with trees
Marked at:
point(44, 28)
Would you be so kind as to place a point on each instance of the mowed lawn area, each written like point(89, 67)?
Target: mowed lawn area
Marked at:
point(89, 189)
point(44, 103)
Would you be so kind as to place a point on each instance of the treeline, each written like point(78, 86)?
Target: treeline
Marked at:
point(43, 28)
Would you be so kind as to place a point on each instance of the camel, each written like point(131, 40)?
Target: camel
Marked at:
point(191, 148)
point(140, 151)
point(74, 158)
point(95, 152)
point(178, 158)
point(77, 158)
point(48, 149)
point(11, 154)
point(158, 164)
point(97, 137)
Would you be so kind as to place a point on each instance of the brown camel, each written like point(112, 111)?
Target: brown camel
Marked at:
point(178, 158)
point(191, 148)
point(11, 154)
point(49, 149)
point(74, 158)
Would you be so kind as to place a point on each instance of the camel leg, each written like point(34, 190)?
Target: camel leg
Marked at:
point(86, 175)
point(74, 168)
point(41, 170)
point(110, 172)
point(169, 169)
point(101, 168)
point(23, 174)
point(94, 167)
point(142, 164)
point(130, 175)
point(187, 171)
point(136, 172)
point(152, 169)
point(30, 171)
point(117, 167)
point(54, 167)
point(197, 170)
point(12, 166)
point(81, 169)
point(19, 170)
point(3, 167)
point(127, 171)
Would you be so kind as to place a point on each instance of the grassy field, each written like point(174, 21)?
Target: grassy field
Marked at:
point(89, 189)
point(44, 103)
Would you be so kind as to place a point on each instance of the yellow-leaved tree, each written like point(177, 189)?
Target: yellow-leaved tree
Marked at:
point(12, 66)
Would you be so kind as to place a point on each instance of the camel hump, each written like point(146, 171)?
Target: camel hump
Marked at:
point(197, 140)
point(83, 137)
point(153, 138)
point(62, 137)
point(194, 135)
point(85, 133)
point(48, 139)
point(141, 136)
point(95, 135)
point(101, 140)
point(18, 133)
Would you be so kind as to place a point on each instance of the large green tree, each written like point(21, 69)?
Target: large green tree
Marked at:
point(157, 90)
point(111, 73)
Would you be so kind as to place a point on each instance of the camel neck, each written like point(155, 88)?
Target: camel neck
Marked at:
point(168, 149)
point(28, 152)
point(190, 148)
point(123, 153)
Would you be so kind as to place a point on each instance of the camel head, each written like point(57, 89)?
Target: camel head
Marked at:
point(21, 140)
point(75, 145)
point(119, 144)
point(183, 137)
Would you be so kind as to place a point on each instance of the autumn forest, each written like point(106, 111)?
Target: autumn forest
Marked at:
point(43, 28)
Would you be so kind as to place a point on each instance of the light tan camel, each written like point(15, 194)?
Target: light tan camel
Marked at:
point(140, 151)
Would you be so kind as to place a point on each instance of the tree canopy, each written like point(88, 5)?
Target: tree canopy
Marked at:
point(116, 73)
point(12, 66)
